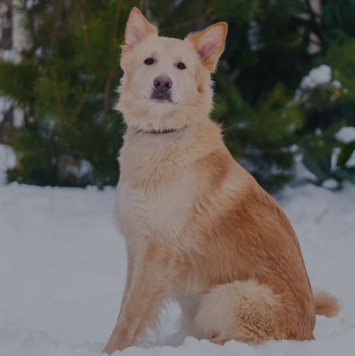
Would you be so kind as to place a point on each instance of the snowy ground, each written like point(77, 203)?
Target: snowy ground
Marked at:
point(62, 267)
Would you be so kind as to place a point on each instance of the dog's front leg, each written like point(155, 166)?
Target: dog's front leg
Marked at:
point(129, 274)
point(152, 271)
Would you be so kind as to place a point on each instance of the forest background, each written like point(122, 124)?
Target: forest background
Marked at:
point(284, 89)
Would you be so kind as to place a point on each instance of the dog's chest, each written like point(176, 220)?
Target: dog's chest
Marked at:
point(160, 207)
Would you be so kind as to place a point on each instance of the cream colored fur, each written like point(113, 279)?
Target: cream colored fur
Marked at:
point(198, 227)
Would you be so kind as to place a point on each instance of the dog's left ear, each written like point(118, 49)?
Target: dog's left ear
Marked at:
point(138, 28)
point(209, 44)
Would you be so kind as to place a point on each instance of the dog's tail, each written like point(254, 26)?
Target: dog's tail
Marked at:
point(326, 304)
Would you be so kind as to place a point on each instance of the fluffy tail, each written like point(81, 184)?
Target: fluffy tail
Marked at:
point(326, 304)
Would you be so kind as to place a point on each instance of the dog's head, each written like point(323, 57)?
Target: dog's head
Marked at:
point(167, 82)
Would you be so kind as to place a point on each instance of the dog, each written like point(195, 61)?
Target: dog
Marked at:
point(198, 228)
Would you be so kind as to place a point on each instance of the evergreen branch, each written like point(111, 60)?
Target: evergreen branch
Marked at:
point(59, 102)
point(207, 12)
point(86, 36)
point(262, 126)
point(79, 108)
point(169, 14)
point(113, 70)
point(67, 121)
point(107, 91)
point(117, 17)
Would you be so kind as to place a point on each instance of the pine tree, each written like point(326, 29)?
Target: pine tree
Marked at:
point(66, 84)
point(330, 105)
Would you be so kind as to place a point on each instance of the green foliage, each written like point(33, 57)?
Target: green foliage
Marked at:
point(262, 135)
point(338, 21)
point(18, 81)
point(318, 155)
point(329, 107)
point(318, 150)
point(39, 163)
point(66, 83)
point(346, 153)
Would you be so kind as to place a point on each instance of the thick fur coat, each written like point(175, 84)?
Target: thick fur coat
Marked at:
point(198, 227)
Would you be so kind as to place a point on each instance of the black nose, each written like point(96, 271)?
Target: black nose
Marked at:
point(163, 83)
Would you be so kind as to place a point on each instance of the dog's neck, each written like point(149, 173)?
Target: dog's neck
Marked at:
point(157, 132)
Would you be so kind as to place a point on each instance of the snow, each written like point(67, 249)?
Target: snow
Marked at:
point(62, 265)
point(317, 76)
point(254, 37)
point(5, 104)
point(336, 84)
point(346, 134)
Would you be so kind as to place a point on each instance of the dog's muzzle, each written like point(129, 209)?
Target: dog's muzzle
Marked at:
point(162, 89)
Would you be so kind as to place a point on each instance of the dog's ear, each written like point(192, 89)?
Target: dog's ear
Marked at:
point(138, 28)
point(209, 44)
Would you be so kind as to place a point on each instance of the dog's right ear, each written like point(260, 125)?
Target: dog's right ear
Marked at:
point(138, 28)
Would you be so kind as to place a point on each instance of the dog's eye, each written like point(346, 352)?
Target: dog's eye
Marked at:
point(149, 61)
point(181, 65)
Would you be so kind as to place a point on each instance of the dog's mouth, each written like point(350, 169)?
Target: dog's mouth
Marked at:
point(161, 97)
